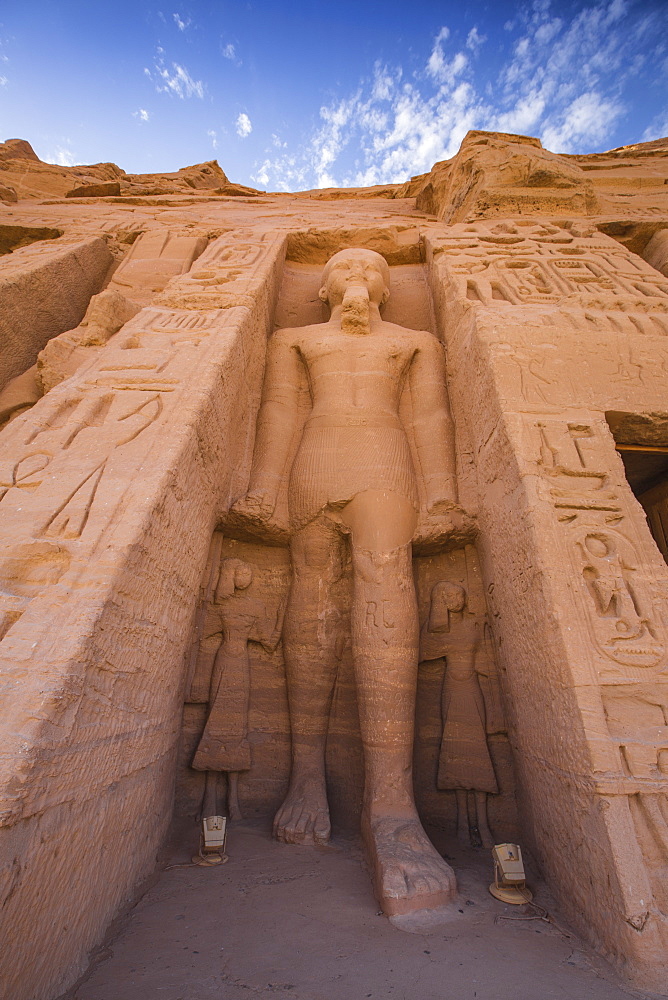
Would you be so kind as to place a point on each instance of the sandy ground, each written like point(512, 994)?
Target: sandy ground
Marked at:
point(302, 923)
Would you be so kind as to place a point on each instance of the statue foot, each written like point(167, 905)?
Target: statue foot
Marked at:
point(409, 873)
point(304, 816)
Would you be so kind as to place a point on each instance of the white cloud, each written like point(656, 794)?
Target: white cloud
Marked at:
point(564, 81)
point(229, 51)
point(180, 23)
point(243, 125)
point(143, 115)
point(3, 81)
point(176, 81)
point(474, 40)
point(588, 117)
point(383, 82)
point(553, 83)
point(440, 69)
point(524, 117)
point(61, 156)
point(658, 128)
point(263, 173)
point(214, 137)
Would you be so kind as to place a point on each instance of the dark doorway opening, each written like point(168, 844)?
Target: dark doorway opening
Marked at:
point(642, 442)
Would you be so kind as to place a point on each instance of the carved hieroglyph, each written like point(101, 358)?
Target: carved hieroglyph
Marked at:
point(558, 327)
point(154, 259)
point(354, 476)
point(111, 485)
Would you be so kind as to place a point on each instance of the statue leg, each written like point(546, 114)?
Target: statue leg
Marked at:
point(409, 873)
point(463, 826)
point(233, 807)
point(309, 644)
point(211, 801)
point(486, 837)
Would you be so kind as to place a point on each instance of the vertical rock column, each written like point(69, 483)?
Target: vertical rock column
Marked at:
point(44, 290)
point(110, 488)
point(546, 329)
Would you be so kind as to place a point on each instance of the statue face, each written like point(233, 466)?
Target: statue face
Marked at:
point(456, 599)
point(243, 577)
point(449, 595)
point(355, 267)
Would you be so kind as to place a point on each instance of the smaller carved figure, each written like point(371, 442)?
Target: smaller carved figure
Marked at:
point(465, 765)
point(224, 743)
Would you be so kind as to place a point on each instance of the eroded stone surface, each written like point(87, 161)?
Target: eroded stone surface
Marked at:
point(44, 290)
point(539, 278)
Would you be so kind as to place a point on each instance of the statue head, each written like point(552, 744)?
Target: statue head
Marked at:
point(235, 574)
point(355, 267)
point(445, 597)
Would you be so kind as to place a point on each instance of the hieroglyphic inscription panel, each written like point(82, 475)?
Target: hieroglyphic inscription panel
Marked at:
point(524, 263)
point(70, 465)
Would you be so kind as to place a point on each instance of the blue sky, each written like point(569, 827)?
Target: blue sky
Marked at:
point(296, 95)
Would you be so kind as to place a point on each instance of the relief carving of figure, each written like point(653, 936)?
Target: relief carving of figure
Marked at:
point(464, 764)
point(354, 480)
point(224, 742)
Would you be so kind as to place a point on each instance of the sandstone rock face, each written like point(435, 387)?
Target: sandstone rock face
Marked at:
point(202, 176)
point(17, 149)
point(63, 355)
point(656, 251)
point(19, 394)
point(14, 237)
point(8, 194)
point(24, 175)
point(265, 519)
point(154, 259)
point(44, 290)
point(103, 190)
point(495, 175)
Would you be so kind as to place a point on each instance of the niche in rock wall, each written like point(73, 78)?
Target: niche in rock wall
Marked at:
point(461, 736)
point(642, 443)
point(409, 304)
point(236, 717)
point(250, 615)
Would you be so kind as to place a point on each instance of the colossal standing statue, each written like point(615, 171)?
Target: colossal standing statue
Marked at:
point(355, 477)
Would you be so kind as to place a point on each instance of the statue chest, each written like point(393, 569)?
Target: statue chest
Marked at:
point(350, 356)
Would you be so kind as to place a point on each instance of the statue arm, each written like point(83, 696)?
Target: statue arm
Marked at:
point(432, 423)
point(276, 420)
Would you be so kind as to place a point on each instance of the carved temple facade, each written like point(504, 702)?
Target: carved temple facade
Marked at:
point(545, 278)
